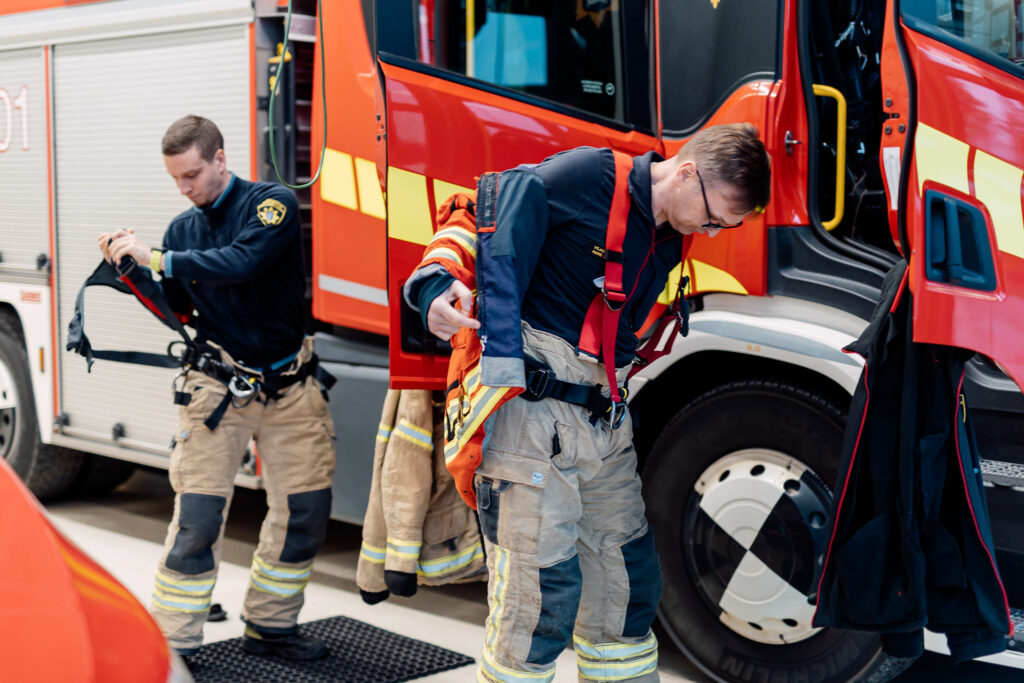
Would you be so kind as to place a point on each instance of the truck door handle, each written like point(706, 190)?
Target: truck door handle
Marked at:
point(954, 254)
point(957, 246)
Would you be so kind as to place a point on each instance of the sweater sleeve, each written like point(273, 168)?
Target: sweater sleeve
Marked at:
point(259, 243)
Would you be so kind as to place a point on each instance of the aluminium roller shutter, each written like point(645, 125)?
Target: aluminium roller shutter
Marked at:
point(114, 99)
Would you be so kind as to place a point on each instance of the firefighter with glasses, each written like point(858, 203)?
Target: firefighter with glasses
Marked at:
point(567, 258)
point(233, 265)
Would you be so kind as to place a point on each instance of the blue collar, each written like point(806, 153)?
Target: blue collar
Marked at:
point(221, 198)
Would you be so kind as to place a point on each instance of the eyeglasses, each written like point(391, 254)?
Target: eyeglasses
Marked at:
point(711, 224)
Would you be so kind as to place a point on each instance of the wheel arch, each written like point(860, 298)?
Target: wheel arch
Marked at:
point(10, 321)
point(663, 395)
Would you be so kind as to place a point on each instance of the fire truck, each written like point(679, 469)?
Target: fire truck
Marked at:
point(894, 131)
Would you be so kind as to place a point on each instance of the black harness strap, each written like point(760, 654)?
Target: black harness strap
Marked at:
point(541, 383)
point(242, 385)
point(130, 280)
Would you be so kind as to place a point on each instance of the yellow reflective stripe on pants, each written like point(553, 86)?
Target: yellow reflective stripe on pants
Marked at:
point(613, 651)
point(283, 581)
point(180, 603)
point(281, 572)
point(616, 661)
point(492, 671)
point(189, 587)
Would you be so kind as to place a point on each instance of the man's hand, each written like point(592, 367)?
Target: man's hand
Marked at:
point(115, 246)
point(448, 312)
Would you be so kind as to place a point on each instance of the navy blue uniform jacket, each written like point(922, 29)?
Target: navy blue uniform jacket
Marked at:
point(911, 542)
point(239, 262)
point(541, 261)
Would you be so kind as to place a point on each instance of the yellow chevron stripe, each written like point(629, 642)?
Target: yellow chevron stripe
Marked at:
point(997, 186)
point(337, 180)
point(408, 208)
point(371, 199)
point(941, 158)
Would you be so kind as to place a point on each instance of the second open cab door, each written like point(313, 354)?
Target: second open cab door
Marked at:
point(953, 86)
point(467, 90)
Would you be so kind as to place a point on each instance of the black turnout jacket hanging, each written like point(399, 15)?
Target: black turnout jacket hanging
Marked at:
point(911, 543)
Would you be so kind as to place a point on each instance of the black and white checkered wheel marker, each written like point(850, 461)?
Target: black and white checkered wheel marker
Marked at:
point(761, 523)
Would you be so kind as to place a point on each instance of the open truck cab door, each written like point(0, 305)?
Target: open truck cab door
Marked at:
point(952, 154)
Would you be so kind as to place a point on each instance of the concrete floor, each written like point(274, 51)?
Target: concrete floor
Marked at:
point(124, 531)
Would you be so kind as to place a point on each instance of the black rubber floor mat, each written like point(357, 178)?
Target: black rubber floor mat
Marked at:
point(360, 653)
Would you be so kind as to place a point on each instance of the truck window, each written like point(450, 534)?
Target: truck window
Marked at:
point(567, 52)
point(986, 28)
point(708, 49)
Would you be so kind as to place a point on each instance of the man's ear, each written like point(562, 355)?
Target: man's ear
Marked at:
point(685, 169)
point(220, 159)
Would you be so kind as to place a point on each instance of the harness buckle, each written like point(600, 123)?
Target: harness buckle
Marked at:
point(618, 297)
point(617, 413)
point(243, 387)
point(537, 383)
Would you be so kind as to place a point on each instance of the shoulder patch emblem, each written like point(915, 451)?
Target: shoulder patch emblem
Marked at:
point(271, 212)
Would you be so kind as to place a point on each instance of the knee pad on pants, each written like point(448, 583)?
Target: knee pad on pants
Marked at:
point(308, 513)
point(560, 587)
point(644, 573)
point(200, 517)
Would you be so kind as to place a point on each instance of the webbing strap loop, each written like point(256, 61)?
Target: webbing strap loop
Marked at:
point(601, 325)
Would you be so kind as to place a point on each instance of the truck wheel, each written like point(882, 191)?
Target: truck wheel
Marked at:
point(736, 495)
point(47, 470)
point(100, 475)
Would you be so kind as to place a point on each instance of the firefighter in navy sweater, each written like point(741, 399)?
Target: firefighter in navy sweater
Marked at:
point(569, 552)
point(233, 264)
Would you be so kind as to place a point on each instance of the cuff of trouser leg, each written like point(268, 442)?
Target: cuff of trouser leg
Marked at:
point(270, 630)
point(907, 644)
point(492, 672)
point(619, 661)
point(186, 647)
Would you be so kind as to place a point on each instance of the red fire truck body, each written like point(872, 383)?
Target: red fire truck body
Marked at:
point(893, 129)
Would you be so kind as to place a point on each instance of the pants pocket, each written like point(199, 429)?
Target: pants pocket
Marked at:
point(510, 505)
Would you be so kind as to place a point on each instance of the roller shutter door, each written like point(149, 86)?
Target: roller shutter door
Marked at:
point(24, 223)
point(113, 101)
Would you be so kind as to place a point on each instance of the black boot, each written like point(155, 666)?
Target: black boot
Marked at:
point(292, 645)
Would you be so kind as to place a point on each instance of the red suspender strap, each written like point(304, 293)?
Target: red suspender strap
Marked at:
point(600, 327)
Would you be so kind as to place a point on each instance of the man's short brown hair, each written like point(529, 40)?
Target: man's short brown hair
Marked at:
point(192, 130)
point(731, 154)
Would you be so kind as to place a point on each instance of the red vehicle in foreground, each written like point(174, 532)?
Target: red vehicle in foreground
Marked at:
point(62, 617)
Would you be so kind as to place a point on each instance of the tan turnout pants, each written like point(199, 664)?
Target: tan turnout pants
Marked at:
point(294, 438)
point(569, 552)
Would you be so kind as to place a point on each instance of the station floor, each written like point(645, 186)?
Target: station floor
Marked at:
point(124, 532)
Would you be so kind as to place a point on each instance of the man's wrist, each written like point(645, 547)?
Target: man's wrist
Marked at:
point(156, 260)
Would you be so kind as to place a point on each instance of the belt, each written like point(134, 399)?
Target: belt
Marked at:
point(542, 383)
point(244, 387)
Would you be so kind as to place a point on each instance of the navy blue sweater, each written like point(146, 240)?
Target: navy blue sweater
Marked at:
point(239, 263)
point(552, 219)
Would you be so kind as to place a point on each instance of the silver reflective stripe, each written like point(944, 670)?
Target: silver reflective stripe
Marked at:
point(353, 290)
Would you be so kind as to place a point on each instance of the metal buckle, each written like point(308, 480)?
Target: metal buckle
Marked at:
point(620, 298)
point(243, 387)
point(537, 383)
point(617, 413)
